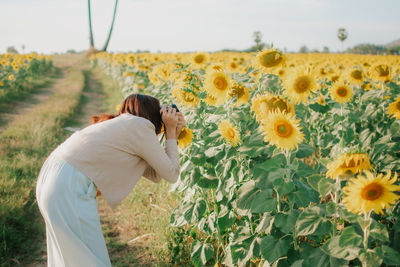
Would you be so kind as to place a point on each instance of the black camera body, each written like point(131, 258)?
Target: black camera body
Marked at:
point(172, 106)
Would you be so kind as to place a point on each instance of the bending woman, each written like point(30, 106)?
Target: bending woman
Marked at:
point(108, 156)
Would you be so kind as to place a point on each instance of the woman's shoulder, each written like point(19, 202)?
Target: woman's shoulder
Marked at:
point(136, 120)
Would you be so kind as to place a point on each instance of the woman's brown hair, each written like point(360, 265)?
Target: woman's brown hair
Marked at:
point(140, 105)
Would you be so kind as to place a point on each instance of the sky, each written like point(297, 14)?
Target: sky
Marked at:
point(50, 26)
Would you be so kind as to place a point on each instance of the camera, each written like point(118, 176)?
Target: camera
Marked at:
point(172, 106)
point(177, 110)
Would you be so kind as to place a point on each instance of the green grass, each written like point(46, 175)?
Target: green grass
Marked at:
point(29, 86)
point(143, 216)
point(24, 146)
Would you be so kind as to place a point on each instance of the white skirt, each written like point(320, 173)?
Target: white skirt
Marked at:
point(67, 202)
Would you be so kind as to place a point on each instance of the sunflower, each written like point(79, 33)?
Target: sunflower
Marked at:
point(186, 98)
point(185, 137)
point(335, 77)
point(241, 92)
point(215, 67)
point(154, 78)
point(229, 132)
point(210, 100)
point(233, 66)
point(217, 84)
point(320, 100)
point(262, 105)
point(299, 84)
point(269, 58)
point(341, 92)
point(131, 74)
point(281, 72)
point(282, 129)
point(11, 77)
point(382, 72)
point(356, 76)
point(366, 86)
point(347, 165)
point(366, 193)
point(199, 59)
point(394, 109)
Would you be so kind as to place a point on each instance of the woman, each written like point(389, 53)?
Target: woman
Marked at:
point(109, 155)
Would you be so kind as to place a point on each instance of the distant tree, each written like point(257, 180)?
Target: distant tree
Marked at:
point(373, 49)
point(315, 50)
point(325, 49)
point(71, 51)
point(23, 48)
point(342, 35)
point(303, 49)
point(111, 28)
point(12, 50)
point(259, 45)
point(394, 50)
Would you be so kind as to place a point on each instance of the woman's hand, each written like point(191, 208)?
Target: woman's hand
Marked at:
point(180, 125)
point(170, 119)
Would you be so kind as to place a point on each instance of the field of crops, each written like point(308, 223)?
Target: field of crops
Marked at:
point(287, 160)
point(15, 71)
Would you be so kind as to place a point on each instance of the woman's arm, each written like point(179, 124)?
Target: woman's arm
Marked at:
point(144, 143)
point(150, 173)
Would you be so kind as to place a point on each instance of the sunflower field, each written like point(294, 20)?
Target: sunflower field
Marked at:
point(16, 68)
point(287, 160)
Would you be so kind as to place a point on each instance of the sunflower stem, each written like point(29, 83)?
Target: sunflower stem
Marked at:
point(366, 229)
point(335, 200)
point(367, 217)
point(286, 152)
point(341, 129)
point(277, 200)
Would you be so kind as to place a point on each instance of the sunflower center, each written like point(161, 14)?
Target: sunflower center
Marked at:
point(231, 133)
point(237, 90)
point(199, 59)
point(188, 97)
point(356, 74)
point(398, 105)
point(233, 65)
point(382, 70)
point(348, 172)
point(301, 85)
point(220, 83)
point(270, 59)
point(281, 105)
point(341, 91)
point(372, 191)
point(182, 134)
point(284, 129)
point(335, 78)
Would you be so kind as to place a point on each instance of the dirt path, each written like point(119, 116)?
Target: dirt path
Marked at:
point(9, 111)
point(12, 109)
point(119, 235)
